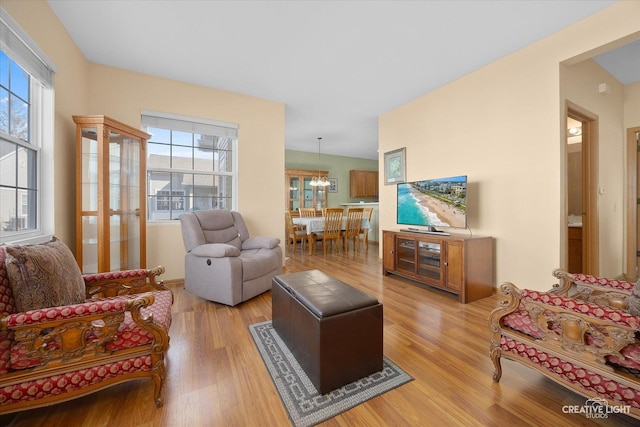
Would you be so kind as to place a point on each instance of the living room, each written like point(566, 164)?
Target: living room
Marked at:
point(501, 125)
point(485, 99)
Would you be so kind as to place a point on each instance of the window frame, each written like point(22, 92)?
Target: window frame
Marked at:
point(170, 197)
point(19, 47)
point(195, 126)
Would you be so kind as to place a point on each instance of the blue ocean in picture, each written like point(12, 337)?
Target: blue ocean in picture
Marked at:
point(409, 211)
point(412, 211)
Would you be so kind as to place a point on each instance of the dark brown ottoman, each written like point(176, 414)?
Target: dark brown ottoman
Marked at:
point(333, 330)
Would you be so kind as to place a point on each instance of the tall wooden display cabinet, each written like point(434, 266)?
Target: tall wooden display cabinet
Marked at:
point(110, 195)
point(300, 193)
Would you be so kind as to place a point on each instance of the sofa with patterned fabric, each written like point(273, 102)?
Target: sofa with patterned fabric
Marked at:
point(65, 335)
point(580, 334)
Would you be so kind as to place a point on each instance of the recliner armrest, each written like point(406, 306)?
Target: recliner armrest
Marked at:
point(260, 242)
point(216, 250)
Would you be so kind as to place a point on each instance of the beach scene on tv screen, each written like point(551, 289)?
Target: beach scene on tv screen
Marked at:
point(440, 202)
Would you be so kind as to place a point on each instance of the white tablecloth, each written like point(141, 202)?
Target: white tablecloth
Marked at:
point(316, 225)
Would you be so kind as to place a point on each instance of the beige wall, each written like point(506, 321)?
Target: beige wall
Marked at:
point(502, 126)
point(123, 95)
point(631, 120)
point(83, 88)
point(579, 85)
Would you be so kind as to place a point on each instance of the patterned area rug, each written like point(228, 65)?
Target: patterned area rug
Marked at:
point(307, 407)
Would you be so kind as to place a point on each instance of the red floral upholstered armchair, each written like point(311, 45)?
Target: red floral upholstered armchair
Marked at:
point(580, 334)
point(65, 335)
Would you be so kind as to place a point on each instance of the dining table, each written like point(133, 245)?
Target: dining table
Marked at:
point(315, 225)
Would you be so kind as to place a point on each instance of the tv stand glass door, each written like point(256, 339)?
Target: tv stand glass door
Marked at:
point(421, 258)
point(429, 261)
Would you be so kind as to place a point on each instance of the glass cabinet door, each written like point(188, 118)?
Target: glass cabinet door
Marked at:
point(308, 193)
point(124, 202)
point(406, 253)
point(429, 261)
point(132, 203)
point(294, 193)
point(320, 199)
point(115, 193)
point(417, 257)
point(89, 204)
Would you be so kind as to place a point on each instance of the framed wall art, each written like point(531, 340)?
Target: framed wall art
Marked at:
point(394, 166)
point(333, 185)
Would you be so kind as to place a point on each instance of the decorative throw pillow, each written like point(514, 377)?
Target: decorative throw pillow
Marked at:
point(634, 300)
point(44, 275)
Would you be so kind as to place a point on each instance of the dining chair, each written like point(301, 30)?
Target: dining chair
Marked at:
point(368, 213)
point(332, 227)
point(293, 232)
point(352, 228)
point(307, 212)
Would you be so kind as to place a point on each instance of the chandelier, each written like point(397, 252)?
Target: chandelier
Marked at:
point(319, 181)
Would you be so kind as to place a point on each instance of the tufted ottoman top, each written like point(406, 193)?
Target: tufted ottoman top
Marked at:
point(322, 294)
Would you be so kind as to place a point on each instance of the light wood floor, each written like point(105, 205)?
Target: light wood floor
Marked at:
point(217, 378)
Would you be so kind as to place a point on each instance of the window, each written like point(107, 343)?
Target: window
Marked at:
point(170, 200)
point(191, 165)
point(26, 136)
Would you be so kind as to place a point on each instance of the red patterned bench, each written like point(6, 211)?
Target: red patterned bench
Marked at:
point(53, 354)
point(590, 348)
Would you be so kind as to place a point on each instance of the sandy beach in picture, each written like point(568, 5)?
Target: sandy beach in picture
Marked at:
point(447, 214)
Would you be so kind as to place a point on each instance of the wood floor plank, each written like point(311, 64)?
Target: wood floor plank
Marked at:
point(216, 377)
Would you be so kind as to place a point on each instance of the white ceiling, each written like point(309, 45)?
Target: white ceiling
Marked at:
point(337, 65)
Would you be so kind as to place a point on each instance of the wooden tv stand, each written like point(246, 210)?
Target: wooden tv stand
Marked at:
point(458, 264)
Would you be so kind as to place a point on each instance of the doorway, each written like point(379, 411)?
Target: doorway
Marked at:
point(633, 198)
point(582, 190)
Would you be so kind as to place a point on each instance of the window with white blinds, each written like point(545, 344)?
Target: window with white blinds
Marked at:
point(191, 165)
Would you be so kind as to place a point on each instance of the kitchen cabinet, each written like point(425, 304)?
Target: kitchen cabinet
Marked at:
point(363, 183)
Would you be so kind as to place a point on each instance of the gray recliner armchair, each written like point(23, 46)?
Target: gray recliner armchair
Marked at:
point(223, 264)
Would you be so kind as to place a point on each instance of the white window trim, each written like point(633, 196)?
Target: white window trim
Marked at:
point(25, 51)
point(191, 126)
point(192, 122)
point(19, 46)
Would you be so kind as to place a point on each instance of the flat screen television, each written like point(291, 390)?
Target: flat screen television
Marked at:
point(433, 203)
